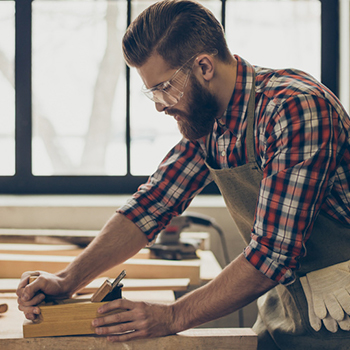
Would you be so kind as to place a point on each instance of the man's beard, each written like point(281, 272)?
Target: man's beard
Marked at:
point(203, 109)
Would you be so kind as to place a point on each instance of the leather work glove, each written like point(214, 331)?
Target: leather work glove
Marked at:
point(327, 292)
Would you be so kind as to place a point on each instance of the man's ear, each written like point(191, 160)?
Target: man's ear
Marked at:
point(207, 66)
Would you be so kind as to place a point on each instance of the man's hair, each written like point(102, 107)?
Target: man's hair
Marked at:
point(176, 30)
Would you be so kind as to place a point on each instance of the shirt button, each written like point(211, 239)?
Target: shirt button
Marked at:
point(223, 153)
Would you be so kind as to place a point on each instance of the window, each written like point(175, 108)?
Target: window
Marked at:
point(78, 88)
point(73, 117)
point(7, 91)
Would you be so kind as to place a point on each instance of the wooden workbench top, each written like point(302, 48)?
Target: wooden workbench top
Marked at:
point(11, 336)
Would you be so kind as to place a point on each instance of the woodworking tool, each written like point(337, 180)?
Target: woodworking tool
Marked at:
point(109, 291)
point(170, 245)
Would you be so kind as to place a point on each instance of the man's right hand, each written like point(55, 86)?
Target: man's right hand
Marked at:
point(119, 240)
point(32, 294)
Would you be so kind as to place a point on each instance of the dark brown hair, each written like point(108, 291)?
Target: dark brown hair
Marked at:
point(175, 29)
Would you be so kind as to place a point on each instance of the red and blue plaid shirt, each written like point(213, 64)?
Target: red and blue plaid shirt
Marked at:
point(302, 146)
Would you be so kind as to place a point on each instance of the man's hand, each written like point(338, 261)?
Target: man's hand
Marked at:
point(139, 320)
point(237, 285)
point(32, 294)
point(118, 241)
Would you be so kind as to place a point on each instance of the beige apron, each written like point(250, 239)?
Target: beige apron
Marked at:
point(283, 318)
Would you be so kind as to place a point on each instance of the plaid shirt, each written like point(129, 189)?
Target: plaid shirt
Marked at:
point(302, 147)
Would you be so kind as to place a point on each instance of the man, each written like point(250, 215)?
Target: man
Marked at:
point(277, 145)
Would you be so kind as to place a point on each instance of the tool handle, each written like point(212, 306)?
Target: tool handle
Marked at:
point(105, 288)
point(118, 279)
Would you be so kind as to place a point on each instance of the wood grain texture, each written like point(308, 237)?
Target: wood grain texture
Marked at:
point(69, 317)
point(13, 265)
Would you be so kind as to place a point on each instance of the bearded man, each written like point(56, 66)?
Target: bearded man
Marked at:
point(277, 144)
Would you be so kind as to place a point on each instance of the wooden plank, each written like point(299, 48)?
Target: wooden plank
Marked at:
point(54, 249)
point(11, 322)
point(173, 284)
point(9, 285)
point(80, 237)
point(74, 316)
point(40, 249)
point(204, 339)
point(69, 317)
point(13, 265)
point(210, 267)
point(150, 296)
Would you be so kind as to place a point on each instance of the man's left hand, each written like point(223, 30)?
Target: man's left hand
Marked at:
point(138, 320)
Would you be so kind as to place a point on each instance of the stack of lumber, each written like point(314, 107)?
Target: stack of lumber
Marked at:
point(13, 265)
point(20, 252)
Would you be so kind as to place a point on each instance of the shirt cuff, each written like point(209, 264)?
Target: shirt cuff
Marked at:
point(146, 222)
point(268, 265)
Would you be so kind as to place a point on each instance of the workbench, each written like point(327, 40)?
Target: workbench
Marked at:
point(11, 322)
point(11, 335)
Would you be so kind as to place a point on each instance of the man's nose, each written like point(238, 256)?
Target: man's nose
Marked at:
point(160, 107)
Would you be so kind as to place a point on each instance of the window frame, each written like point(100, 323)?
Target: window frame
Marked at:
point(24, 182)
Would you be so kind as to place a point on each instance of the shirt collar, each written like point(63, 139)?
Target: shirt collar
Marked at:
point(235, 114)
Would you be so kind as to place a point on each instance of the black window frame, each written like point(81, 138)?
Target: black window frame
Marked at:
point(24, 182)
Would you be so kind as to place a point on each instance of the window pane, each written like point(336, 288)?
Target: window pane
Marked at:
point(78, 88)
point(7, 92)
point(276, 34)
point(153, 134)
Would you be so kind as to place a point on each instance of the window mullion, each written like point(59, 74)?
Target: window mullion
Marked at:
point(128, 123)
point(330, 44)
point(23, 47)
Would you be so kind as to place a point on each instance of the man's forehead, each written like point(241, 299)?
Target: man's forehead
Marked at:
point(155, 71)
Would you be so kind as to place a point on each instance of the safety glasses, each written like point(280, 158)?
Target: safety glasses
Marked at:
point(168, 93)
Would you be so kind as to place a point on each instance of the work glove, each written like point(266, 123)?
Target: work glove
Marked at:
point(327, 292)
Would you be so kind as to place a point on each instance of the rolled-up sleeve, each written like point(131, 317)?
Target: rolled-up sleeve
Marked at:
point(168, 192)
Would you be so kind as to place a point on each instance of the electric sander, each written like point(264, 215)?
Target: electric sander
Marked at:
point(169, 243)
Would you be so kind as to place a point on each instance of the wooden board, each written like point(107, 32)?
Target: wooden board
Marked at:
point(54, 249)
point(13, 265)
point(80, 237)
point(69, 317)
point(9, 285)
point(210, 267)
point(150, 296)
point(40, 249)
point(74, 316)
point(201, 339)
